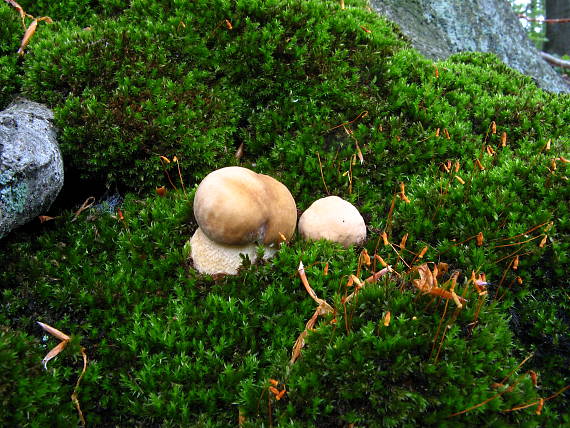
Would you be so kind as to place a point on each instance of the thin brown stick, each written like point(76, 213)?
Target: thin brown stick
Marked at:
point(522, 234)
point(360, 116)
point(180, 176)
point(519, 243)
point(399, 256)
point(438, 328)
point(534, 403)
point(322, 175)
point(510, 388)
point(74, 398)
point(516, 368)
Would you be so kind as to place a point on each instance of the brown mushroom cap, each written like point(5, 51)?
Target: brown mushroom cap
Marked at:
point(334, 219)
point(236, 206)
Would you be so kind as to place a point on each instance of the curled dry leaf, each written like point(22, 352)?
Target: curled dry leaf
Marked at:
point(60, 347)
point(161, 191)
point(54, 352)
point(44, 218)
point(427, 283)
point(54, 331)
point(30, 32)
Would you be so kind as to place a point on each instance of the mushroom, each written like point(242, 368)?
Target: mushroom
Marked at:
point(237, 209)
point(334, 219)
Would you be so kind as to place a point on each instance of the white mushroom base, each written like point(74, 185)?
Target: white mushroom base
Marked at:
point(212, 258)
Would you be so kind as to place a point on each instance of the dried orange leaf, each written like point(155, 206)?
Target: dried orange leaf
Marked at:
point(54, 331)
point(490, 151)
point(161, 191)
point(364, 257)
point(165, 159)
point(326, 270)
point(44, 218)
point(493, 127)
point(274, 382)
point(403, 241)
point(534, 377)
point(446, 133)
point(403, 193)
point(381, 260)
point(516, 263)
point(479, 165)
point(457, 166)
point(422, 253)
point(540, 406)
point(27, 36)
point(385, 238)
point(547, 147)
point(504, 139)
point(356, 280)
point(480, 239)
point(54, 352)
point(458, 178)
point(543, 241)
point(387, 319)
point(442, 268)
point(437, 132)
point(229, 25)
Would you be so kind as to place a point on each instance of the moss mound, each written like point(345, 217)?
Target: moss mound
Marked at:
point(465, 158)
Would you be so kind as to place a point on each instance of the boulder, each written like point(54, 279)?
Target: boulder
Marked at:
point(31, 167)
point(439, 28)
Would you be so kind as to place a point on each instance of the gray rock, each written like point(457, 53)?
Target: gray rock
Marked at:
point(439, 28)
point(31, 168)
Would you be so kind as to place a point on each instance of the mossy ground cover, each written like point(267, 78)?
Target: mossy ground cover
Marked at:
point(197, 80)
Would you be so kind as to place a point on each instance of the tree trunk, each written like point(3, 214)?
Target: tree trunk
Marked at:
point(558, 35)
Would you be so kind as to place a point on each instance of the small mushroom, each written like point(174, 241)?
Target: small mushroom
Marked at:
point(237, 209)
point(334, 219)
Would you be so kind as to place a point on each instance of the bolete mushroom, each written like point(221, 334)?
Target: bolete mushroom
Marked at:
point(237, 209)
point(334, 219)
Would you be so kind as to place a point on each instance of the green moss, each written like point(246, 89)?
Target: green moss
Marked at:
point(168, 346)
